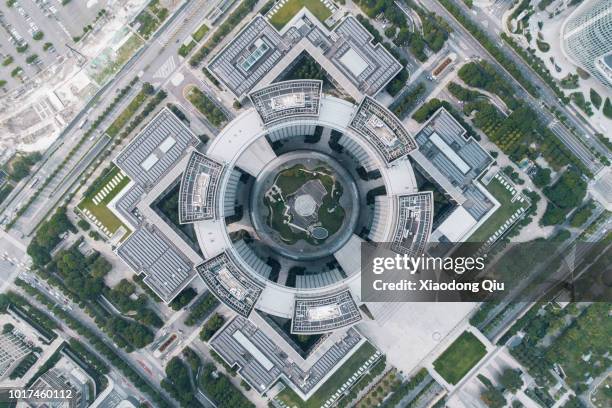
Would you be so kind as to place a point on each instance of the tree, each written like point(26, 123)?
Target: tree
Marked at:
point(47, 237)
point(569, 191)
point(178, 372)
point(183, 298)
point(390, 32)
point(510, 379)
point(84, 225)
point(205, 305)
point(148, 89)
point(100, 267)
point(541, 177)
point(221, 390)
point(213, 324)
point(134, 333)
point(426, 110)
point(595, 98)
point(581, 215)
point(607, 108)
point(491, 396)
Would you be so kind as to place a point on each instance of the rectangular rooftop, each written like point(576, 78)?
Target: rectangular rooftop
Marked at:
point(156, 149)
point(166, 268)
point(443, 143)
point(346, 53)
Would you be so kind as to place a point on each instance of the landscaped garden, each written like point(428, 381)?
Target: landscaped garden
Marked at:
point(95, 203)
point(288, 10)
point(502, 214)
point(297, 185)
point(329, 388)
point(205, 105)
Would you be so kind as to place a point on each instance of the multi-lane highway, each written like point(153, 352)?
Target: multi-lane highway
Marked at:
point(491, 19)
point(575, 145)
point(162, 46)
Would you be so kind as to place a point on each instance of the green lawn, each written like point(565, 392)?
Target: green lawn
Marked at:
point(291, 8)
point(101, 211)
point(200, 32)
point(346, 371)
point(460, 357)
point(500, 216)
point(147, 24)
point(186, 48)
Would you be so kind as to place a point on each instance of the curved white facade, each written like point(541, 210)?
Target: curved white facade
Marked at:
point(243, 144)
point(587, 38)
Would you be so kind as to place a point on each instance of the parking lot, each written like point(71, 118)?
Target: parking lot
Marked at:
point(34, 33)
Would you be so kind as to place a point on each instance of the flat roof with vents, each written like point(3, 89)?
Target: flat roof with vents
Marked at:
point(354, 62)
point(230, 283)
point(382, 129)
point(199, 188)
point(156, 149)
point(287, 99)
point(324, 313)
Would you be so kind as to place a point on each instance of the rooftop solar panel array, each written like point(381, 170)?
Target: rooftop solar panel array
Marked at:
point(381, 66)
point(258, 48)
point(148, 251)
point(442, 126)
point(156, 149)
point(230, 284)
point(231, 191)
point(228, 64)
point(345, 313)
point(126, 205)
point(251, 369)
point(249, 256)
point(282, 100)
point(317, 280)
point(413, 224)
point(382, 129)
point(255, 355)
point(477, 204)
point(199, 186)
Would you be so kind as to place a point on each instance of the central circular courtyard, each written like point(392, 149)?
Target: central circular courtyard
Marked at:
point(304, 205)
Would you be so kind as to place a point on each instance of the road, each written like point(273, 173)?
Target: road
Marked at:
point(13, 257)
point(116, 375)
point(143, 360)
point(491, 20)
point(558, 276)
point(146, 63)
point(576, 146)
point(66, 175)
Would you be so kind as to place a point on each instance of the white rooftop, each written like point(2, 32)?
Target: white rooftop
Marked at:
point(354, 62)
point(253, 350)
point(450, 153)
point(457, 225)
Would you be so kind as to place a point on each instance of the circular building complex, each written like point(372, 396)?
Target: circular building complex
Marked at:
point(284, 196)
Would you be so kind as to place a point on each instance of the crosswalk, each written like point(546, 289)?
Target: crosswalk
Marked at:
point(165, 69)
